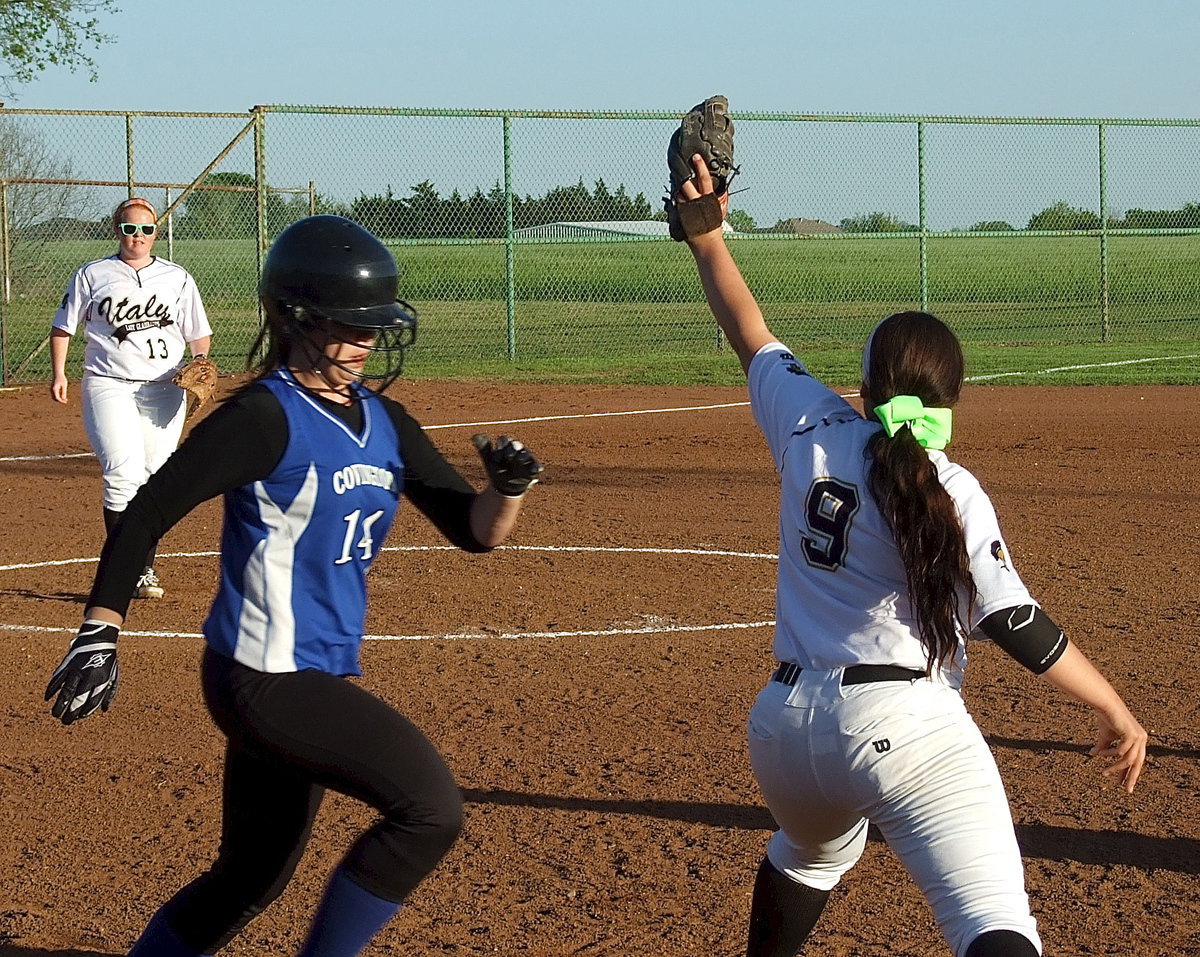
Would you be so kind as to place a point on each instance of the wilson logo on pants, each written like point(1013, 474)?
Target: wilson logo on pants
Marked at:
point(882, 746)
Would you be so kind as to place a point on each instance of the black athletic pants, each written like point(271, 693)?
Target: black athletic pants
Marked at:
point(291, 736)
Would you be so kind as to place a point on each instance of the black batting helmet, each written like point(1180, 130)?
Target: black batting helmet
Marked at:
point(329, 267)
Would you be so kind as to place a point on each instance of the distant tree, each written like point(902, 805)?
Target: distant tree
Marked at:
point(741, 221)
point(992, 226)
point(36, 34)
point(1060, 216)
point(485, 213)
point(39, 213)
point(626, 207)
point(282, 212)
point(1186, 218)
point(423, 215)
point(228, 214)
point(876, 222)
point(375, 213)
point(426, 214)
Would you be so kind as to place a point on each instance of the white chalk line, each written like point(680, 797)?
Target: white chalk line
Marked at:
point(443, 548)
point(1090, 365)
point(689, 408)
point(654, 629)
point(453, 425)
point(553, 418)
point(465, 636)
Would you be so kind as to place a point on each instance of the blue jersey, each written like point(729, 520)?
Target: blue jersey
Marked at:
point(296, 545)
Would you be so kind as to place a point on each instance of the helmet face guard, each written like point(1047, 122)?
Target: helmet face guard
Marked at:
point(323, 272)
point(385, 359)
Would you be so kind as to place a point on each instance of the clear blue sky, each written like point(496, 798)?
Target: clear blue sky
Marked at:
point(1063, 58)
point(1003, 58)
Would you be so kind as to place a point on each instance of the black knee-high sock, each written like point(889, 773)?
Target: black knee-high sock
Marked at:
point(782, 913)
point(151, 554)
point(1001, 943)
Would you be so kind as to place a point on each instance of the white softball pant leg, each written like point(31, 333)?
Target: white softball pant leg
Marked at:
point(133, 428)
point(908, 757)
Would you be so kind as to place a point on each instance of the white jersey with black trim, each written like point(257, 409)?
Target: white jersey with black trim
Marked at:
point(842, 593)
point(138, 321)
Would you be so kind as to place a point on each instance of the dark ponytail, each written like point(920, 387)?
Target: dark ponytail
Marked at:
point(282, 326)
point(914, 353)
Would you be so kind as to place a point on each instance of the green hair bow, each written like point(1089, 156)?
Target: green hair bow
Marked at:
point(930, 427)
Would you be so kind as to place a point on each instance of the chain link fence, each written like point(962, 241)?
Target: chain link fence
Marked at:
point(537, 241)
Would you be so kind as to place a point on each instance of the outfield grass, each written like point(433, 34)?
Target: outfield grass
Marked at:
point(634, 311)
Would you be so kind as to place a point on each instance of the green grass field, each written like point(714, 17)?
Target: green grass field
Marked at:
point(634, 311)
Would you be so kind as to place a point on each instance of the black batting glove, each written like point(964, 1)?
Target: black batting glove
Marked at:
point(511, 467)
point(86, 679)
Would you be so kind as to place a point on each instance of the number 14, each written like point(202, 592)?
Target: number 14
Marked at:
point(365, 543)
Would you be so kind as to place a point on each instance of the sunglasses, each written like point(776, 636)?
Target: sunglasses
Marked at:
point(132, 229)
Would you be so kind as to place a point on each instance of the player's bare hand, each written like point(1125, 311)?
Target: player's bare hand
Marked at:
point(701, 184)
point(1123, 740)
point(58, 389)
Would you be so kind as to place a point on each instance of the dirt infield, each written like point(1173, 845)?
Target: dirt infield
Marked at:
point(589, 687)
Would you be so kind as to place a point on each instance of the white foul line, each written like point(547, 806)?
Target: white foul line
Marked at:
point(1090, 365)
point(655, 629)
point(43, 458)
point(583, 415)
point(691, 408)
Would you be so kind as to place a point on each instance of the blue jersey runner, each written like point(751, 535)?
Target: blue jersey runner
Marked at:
point(287, 606)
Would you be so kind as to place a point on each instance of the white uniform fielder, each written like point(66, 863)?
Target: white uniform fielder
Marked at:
point(138, 323)
point(904, 755)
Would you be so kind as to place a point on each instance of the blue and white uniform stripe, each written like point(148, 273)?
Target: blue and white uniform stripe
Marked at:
point(297, 545)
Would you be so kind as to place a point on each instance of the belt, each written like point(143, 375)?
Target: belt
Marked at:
point(788, 672)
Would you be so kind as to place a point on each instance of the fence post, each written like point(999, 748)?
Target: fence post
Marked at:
point(921, 224)
point(1105, 318)
point(312, 198)
point(170, 224)
point(5, 273)
point(5, 262)
point(260, 192)
point(129, 153)
point(509, 282)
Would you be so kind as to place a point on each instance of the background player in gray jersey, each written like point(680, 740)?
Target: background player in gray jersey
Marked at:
point(890, 558)
point(139, 314)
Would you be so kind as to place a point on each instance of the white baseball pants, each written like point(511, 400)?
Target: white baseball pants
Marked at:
point(906, 756)
point(133, 428)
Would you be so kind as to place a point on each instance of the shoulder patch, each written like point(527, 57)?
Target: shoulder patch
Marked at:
point(1000, 555)
point(794, 367)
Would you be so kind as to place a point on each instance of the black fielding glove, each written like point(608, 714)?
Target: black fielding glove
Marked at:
point(86, 678)
point(511, 467)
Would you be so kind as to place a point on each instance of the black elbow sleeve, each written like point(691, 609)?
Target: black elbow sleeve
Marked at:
point(1027, 634)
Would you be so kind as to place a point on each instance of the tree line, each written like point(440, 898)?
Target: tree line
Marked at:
point(1059, 217)
point(230, 213)
point(425, 214)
